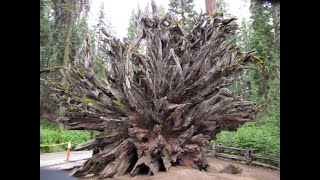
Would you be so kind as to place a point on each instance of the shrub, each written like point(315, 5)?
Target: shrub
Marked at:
point(52, 134)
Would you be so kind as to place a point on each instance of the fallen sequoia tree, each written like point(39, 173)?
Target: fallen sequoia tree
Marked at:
point(159, 108)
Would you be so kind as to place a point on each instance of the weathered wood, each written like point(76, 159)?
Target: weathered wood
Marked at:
point(52, 69)
point(264, 165)
point(257, 156)
point(87, 145)
point(231, 156)
point(247, 155)
point(160, 107)
point(214, 150)
point(272, 160)
point(233, 149)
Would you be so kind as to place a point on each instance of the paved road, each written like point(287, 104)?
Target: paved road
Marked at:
point(50, 159)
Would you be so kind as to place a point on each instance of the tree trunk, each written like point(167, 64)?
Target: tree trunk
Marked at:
point(275, 7)
point(67, 46)
point(211, 6)
point(161, 108)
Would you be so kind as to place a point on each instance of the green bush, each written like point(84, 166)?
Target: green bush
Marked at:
point(265, 140)
point(51, 134)
point(263, 134)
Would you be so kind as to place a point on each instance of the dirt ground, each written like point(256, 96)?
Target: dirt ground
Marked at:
point(186, 173)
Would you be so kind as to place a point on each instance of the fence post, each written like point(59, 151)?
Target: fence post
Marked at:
point(213, 150)
point(247, 156)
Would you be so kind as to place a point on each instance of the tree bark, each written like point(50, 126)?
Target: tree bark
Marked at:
point(160, 108)
point(275, 9)
point(67, 45)
point(211, 6)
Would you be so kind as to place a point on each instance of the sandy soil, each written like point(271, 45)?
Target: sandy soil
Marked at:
point(216, 164)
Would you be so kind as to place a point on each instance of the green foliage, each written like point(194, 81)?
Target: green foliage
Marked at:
point(263, 139)
point(222, 7)
point(132, 29)
point(262, 39)
point(184, 9)
point(48, 54)
point(263, 134)
point(52, 134)
point(53, 23)
point(100, 60)
point(258, 34)
point(79, 31)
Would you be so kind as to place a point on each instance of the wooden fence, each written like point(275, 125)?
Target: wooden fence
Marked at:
point(245, 155)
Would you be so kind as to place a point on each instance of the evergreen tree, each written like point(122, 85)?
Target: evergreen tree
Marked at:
point(62, 25)
point(262, 34)
point(185, 11)
point(132, 29)
point(100, 60)
point(46, 52)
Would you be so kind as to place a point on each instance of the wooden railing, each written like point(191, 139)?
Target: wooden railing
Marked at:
point(245, 155)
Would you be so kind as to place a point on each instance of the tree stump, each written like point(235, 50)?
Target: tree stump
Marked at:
point(159, 108)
